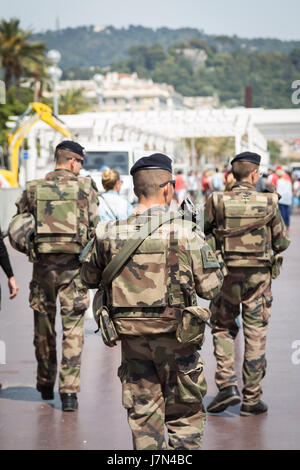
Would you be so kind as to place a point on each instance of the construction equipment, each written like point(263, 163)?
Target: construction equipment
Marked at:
point(35, 112)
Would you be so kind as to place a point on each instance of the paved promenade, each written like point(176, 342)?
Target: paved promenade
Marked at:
point(27, 422)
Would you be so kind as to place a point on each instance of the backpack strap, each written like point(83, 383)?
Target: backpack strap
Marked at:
point(219, 206)
point(234, 232)
point(174, 290)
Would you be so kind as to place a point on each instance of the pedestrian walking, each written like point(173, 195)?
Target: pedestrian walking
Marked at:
point(296, 193)
point(180, 190)
point(250, 233)
point(285, 190)
point(162, 375)
point(206, 185)
point(192, 185)
point(217, 181)
point(112, 205)
point(65, 211)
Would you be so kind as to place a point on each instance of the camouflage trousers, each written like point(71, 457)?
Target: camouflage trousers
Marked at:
point(58, 276)
point(163, 384)
point(250, 287)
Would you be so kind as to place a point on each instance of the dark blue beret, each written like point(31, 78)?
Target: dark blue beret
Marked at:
point(247, 157)
point(156, 161)
point(72, 147)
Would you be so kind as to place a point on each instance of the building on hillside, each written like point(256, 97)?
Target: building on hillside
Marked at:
point(201, 102)
point(127, 91)
point(120, 91)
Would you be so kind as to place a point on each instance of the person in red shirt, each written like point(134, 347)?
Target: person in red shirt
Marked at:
point(179, 187)
point(275, 176)
point(206, 185)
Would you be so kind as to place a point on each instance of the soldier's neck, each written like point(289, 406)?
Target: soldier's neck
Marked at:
point(145, 204)
point(243, 183)
point(63, 168)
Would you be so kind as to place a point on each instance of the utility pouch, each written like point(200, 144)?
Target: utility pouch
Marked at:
point(107, 328)
point(276, 265)
point(192, 325)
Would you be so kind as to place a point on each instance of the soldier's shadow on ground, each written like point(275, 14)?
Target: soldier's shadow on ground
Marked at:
point(28, 394)
point(230, 412)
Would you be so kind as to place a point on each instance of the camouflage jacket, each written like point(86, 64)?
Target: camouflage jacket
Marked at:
point(233, 211)
point(65, 208)
point(163, 275)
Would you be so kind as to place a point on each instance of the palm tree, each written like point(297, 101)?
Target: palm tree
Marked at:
point(38, 74)
point(72, 102)
point(16, 51)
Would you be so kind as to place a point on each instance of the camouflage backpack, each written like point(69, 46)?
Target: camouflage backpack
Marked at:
point(243, 231)
point(61, 216)
point(21, 233)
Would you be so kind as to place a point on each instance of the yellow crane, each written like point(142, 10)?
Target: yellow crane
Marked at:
point(36, 111)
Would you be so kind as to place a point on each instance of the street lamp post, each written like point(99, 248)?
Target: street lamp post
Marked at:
point(55, 74)
point(98, 78)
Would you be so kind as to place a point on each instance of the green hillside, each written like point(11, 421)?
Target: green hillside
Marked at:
point(86, 46)
point(225, 74)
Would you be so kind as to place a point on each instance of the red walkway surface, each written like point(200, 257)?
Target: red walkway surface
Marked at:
point(27, 422)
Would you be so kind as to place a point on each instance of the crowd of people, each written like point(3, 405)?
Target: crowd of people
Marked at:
point(199, 185)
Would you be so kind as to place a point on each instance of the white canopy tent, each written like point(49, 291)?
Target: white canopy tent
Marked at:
point(166, 130)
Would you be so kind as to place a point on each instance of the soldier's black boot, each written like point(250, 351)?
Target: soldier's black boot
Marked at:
point(253, 410)
point(69, 401)
point(46, 391)
point(228, 396)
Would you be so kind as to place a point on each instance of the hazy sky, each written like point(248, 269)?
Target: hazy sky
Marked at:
point(245, 18)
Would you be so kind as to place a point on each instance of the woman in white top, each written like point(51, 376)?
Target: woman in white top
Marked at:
point(285, 190)
point(113, 206)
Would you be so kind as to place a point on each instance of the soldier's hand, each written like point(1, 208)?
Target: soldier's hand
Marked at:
point(13, 287)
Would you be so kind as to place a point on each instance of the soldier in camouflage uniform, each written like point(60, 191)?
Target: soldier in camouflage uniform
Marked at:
point(162, 379)
point(65, 207)
point(249, 231)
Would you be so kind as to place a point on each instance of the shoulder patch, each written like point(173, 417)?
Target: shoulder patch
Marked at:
point(209, 259)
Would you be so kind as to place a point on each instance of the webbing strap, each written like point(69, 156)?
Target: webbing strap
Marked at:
point(174, 290)
point(234, 232)
point(132, 244)
point(219, 206)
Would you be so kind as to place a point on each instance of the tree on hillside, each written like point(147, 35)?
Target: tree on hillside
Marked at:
point(146, 57)
point(16, 51)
